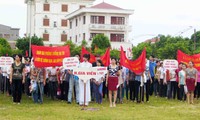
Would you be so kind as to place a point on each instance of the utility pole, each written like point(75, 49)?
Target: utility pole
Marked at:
point(194, 39)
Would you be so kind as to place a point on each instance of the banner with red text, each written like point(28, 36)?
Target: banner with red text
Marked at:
point(137, 66)
point(185, 58)
point(49, 56)
point(86, 74)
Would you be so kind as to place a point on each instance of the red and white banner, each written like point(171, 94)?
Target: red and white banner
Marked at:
point(170, 64)
point(86, 74)
point(70, 62)
point(49, 56)
point(6, 61)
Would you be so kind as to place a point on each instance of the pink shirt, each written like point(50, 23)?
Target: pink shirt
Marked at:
point(198, 78)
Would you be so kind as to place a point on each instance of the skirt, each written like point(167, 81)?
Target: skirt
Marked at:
point(112, 83)
point(190, 84)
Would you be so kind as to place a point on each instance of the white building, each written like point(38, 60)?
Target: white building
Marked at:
point(46, 18)
point(102, 18)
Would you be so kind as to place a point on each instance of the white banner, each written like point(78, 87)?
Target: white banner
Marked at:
point(170, 64)
point(70, 62)
point(6, 61)
point(86, 74)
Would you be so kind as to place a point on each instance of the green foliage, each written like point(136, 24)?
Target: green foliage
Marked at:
point(74, 50)
point(166, 48)
point(84, 43)
point(99, 51)
point(5, 51)
point(115, 53)
point(16, 51)
point(4, 43)
point(101, 41)
point(23, 43)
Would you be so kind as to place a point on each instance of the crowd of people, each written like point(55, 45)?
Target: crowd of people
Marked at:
point(119, 83)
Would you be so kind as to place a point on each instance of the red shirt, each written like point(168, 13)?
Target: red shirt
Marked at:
point(177, 77)
point(167, 76)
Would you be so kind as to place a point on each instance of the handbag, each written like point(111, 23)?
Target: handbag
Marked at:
point(185, 89)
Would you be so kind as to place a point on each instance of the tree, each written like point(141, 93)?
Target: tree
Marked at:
point(195, 37)
point(5, 51)
point(166, 48)
point(4, 43)
point(23, 43)
point(100, 41)
point(114, 53)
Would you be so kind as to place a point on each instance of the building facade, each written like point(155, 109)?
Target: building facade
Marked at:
point(102, 18)
point(9, 33)
point(46, 18)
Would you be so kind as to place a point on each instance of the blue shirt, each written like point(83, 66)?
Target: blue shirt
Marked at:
point(138, 78)
point(152, 66)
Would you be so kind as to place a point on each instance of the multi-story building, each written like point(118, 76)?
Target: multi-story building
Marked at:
point(46, 18)
point(102, 18)
point(9, 33)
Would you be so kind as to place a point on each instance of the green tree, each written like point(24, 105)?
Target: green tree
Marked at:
point(115, 53)
point(23, 43)
point(101, 41)
point(4, 43)
point(5, 51)
point(197, 36)
point(137, 50)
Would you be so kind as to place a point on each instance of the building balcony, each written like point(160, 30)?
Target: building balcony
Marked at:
point(109, 27)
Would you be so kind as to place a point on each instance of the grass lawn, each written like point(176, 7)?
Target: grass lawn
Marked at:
point(157, 109)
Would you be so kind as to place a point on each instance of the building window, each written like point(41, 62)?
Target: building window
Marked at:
point(83, 36)
point(84, 19)
point(46, 37)
point(81, 6)
point(97, 19)
point(64, 8)
point(92, 35)
point(76, 22)
point(117, 37)
point(64, 23)
point(70, 24)
point(118, 20)
point(46, 7)
point(76, 39)
point(45, 22)
point(63, 37)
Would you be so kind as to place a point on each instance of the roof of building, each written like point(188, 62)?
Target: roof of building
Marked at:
point(104, 5)
point(100, 8)
point(153, 40)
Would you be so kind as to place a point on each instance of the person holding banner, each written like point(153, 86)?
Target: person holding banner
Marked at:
point(73, 82)
point(85, 64)
point(27, 73)
point(98, 83)
point(17, 77)
point(191, 81)
point(112, 81)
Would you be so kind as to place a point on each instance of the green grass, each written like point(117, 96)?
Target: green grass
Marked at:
point(157, 109)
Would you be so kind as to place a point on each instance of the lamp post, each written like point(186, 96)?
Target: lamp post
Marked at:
point(29, 45)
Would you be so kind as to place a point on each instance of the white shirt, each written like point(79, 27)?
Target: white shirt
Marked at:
point(173, 75)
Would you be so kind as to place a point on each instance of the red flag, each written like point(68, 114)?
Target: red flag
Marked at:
point(185, 58)
point(137, 66)
point(106, 58)
point(26, 53)
point(92, 57)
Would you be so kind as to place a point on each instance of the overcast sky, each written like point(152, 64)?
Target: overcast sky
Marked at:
point(151, 17)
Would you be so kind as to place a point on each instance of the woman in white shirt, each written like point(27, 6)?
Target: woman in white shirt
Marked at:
point(85, 64)
point(173, 84)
